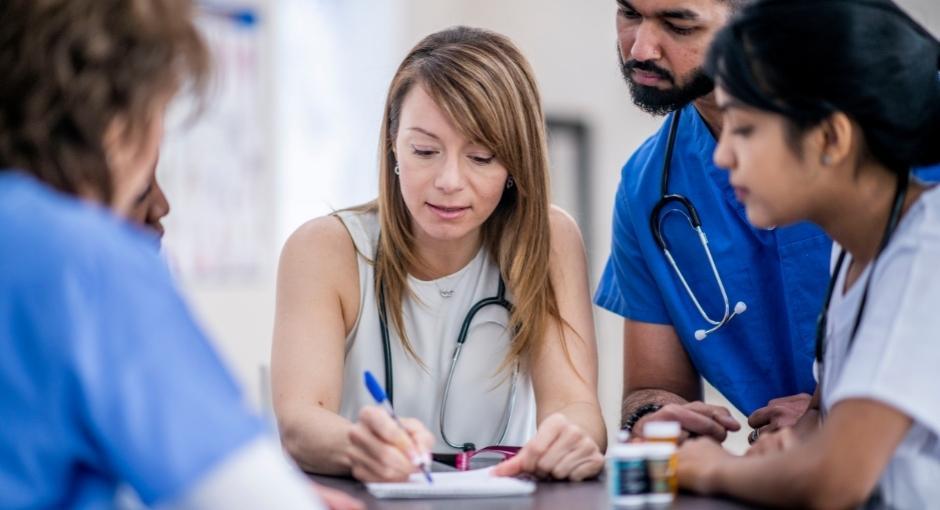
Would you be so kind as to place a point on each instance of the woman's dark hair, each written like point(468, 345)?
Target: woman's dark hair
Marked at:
point(71, 67)
point(807, 59)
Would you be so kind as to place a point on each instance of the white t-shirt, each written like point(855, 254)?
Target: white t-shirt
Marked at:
point(895, 358)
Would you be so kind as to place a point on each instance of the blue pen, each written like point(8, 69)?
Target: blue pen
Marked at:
point(380, 398)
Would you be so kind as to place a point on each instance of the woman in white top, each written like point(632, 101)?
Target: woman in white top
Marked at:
point(828, 105)
point(462, 216)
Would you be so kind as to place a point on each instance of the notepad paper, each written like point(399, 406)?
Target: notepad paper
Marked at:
point(477, 483)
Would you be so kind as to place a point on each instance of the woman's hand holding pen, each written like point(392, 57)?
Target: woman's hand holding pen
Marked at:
point(560, 450)
point(380, 451)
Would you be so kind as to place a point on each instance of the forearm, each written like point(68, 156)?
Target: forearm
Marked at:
point(838, 466)
point(318, 440)
point(638, 398)
point(253, 476)
point(657, 369)
point(587, 416)
point(806, 476)
point(782, 480)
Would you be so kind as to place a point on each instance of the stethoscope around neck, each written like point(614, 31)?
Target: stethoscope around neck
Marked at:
point(688, 211)
point(822, 322)
point(498, 300)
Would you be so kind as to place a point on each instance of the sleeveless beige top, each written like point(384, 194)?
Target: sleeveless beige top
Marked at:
point(479, 394)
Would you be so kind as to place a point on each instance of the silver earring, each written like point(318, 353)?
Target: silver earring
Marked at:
point(826, 160)
point(397, 170)
point(510, 183)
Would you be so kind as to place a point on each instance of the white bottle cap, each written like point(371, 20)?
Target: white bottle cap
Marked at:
point(623, 436)
point(627, 451)
point(662, 430)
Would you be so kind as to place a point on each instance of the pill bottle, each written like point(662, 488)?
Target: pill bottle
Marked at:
point(662, 432)
point(661, 472)
point(627, 476)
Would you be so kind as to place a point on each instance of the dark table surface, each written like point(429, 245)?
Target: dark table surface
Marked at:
point(548, 495)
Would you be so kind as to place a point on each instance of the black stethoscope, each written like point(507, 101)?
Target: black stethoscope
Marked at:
point(691, 215)
point(822, 321)
point(498, 300)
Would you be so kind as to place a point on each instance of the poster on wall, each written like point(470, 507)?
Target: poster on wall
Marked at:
point(213, 166)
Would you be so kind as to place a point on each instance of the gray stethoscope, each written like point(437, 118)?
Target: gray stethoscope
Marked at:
point(691, 215)
point(498, 300)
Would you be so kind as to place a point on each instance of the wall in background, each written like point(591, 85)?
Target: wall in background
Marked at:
point(321, 71)
point(325, 66)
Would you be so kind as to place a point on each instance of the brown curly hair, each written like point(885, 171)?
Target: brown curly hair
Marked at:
point(71, 67)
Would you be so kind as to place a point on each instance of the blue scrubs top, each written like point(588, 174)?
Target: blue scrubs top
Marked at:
point(105, 378)
point(781, 274)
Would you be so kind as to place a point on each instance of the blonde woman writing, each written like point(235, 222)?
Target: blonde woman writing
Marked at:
point(461, 244)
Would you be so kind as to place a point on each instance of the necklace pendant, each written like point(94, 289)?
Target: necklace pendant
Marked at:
point(446, 293)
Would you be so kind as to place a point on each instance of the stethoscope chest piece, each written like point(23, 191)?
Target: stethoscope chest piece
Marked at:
point(684, 207)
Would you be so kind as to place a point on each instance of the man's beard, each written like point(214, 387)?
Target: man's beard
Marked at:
point(663, 101)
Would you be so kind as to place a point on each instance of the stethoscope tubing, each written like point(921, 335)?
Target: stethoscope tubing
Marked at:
point(687, 209)
point(897, 208)
point(498, 300)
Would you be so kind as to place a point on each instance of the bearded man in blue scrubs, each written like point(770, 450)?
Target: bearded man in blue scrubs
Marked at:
point(745, 323)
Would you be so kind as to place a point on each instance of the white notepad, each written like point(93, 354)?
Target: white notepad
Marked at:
point(477, 483)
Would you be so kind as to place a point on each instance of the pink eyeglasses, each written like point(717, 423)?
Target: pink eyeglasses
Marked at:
point(475, 459)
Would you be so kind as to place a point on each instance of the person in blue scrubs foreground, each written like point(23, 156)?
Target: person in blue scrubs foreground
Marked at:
point(827, 105)
point(760, 358)
point(107, 381)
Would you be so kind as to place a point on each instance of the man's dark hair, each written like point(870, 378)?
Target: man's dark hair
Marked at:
point(807, 59)
point(71, 67)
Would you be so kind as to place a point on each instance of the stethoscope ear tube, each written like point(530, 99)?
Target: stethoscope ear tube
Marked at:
point(658, 209)
point(664, 197)
point(499, 299)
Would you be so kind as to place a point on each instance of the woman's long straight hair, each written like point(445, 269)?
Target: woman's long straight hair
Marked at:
point(486, 88)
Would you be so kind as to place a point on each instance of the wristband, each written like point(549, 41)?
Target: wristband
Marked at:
point(638, 413)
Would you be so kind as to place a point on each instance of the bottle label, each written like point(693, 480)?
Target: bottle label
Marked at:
point(662, 476)
point(633, 479)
